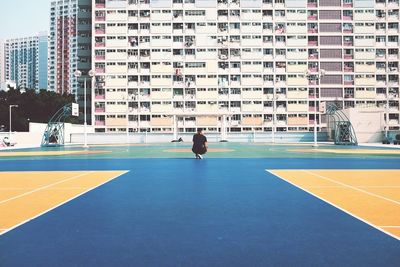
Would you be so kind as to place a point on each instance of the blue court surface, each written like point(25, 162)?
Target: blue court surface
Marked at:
point(184, 212)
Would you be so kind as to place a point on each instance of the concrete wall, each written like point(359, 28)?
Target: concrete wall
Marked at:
point(368, 124)
point(33, 138)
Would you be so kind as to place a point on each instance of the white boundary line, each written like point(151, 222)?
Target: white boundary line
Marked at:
point(351, 187)
point(45, 187)
point(64, 202)
point(330, 203)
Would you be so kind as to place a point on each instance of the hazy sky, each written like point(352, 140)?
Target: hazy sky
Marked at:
point(19, 18)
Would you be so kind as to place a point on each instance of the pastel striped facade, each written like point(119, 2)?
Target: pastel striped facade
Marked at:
point(184, 62)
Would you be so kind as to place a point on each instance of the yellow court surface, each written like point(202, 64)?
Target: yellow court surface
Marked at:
point(372, 196)
point(27, 195)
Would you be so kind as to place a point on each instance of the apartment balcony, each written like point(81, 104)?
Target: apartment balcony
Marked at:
point(100, 5)
point(280, 96)
point(348, 43)
point(312, 30)
point(100, 18)
point(312, 5)
point(381, 96)
point(99, 97)
point(379, 83)
point(347, 5)
point(393, 18)
point(133, 124)
point(100, 70)
point(313, 56)
point(267, 18)
point(102, 57)
point(100, 123)
point(268, 70)
point(348, 82)
point(348, 69)
point(100, 31)
point(100, 110)
point(132, 84)
point(100, 44)
point(348, 18)
point(133, 58)
point(393, 31)
point(133, 71)
point(393, 83)
point(312, 43)
point(348, 56)
point(393, 5)
point(313, 69)
point(313, 17)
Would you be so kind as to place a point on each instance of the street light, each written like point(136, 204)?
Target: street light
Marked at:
point(320, 74)
point(78, 74)
point(10, 107)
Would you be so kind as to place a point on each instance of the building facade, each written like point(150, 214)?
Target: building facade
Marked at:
point(26, 61)
point(70, 48)
point(2, 62)
point(247, 65)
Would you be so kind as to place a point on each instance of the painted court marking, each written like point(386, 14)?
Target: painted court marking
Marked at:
point(350, 191)
point(48, 194)
point(350, 151)
point(44, 187)
point(187, 150)
point(51, 153)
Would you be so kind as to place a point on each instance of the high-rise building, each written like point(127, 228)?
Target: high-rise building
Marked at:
point(26, 61)
point(2, 62)
point(269, 65)
point(43, 59)
point(70, 47)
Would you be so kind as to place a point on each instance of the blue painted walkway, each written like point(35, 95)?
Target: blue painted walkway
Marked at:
point(183, 212)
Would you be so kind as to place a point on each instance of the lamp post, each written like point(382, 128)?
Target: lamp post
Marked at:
point(78, 74)
point(320, 74)
point(10, 107)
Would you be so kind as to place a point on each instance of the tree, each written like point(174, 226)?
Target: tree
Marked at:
point(32, 107)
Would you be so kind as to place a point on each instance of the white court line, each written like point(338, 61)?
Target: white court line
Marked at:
point(352, 187)
point(62, 203)
point(389, 226)
point(44, 187)
point(334, 205)
point(358, 186)
point(30, 188)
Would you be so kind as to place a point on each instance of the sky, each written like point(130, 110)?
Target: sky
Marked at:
point(20, 18)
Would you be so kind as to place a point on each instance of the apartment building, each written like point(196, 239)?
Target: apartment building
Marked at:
point(70, 47)
point(2, 62)
point(247, 65)
point(25, 61)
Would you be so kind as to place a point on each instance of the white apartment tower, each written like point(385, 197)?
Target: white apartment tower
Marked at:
point(25, 61)
point(70, 48)
point(249, 65)
point(2, 62)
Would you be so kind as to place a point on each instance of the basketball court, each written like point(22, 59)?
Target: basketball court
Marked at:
point(244, 205)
